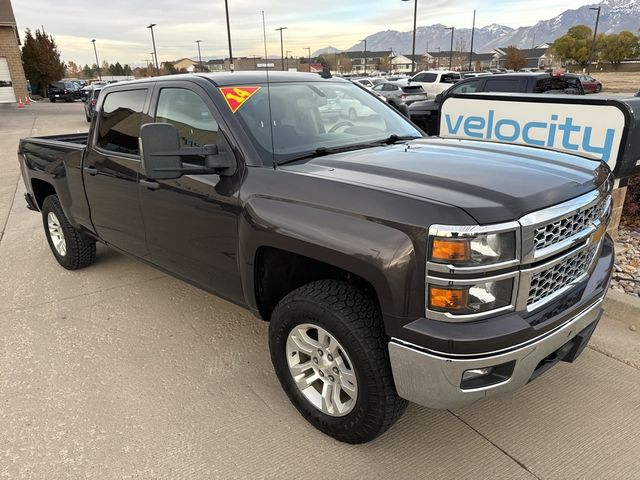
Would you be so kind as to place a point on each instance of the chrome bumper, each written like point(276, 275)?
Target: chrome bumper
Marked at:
point(435, 381)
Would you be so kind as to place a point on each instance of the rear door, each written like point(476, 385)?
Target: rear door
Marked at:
point(112, 166)
point(191, 222)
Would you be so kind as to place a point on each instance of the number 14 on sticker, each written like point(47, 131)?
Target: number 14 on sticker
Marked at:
point(236, 96)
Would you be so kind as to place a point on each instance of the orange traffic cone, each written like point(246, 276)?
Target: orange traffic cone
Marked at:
point(20, 105)
point(26, 100)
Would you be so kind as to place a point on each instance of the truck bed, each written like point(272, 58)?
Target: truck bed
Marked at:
point(74, 140)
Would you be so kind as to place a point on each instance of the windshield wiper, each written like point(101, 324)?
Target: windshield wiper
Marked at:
point(322, 151)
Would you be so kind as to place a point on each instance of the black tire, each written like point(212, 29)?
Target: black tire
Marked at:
point(80, 248)
point(354, 320)
point(52, 100)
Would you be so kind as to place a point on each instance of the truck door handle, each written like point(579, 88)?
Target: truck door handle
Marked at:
point(91, 170)
point(149, 185)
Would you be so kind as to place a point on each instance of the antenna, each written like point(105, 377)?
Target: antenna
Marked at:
point(266, 63)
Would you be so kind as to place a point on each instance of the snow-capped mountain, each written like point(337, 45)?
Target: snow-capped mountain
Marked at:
point(615, 16)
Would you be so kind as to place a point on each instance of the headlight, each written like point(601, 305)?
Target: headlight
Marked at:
point(469, 299)
point(469, 250)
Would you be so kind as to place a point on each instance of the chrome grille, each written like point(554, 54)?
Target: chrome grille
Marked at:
point(559, 276)
point(555, 232)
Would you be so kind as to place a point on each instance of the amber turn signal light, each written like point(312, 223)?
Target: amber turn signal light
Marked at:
point(448, 298)
point(446, 250)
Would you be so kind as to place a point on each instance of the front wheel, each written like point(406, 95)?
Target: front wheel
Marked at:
point(330, 354)
point(71, 248)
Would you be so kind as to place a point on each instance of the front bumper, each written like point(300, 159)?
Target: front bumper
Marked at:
point(435, 381)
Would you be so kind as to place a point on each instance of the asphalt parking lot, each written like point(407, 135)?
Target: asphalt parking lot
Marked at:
point(119, 371)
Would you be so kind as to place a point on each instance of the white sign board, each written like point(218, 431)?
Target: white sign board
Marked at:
point(593, 131)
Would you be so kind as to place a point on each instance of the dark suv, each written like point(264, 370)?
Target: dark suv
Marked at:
point(426, 114)
point(67, 91)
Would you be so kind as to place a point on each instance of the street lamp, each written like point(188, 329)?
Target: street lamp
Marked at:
point(413, 48)
point(309, 50)
point(473, 30)
point(451, 49)
point(365, 55)
point(97, 63)
point(281, 45)
point(593, 43)
point(226, 10)
point(155, 53)
point(199, 56)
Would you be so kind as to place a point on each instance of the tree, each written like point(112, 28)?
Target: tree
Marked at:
point(41, 60)
point(126, 70)
point(72, 70)
point(618, 46)
point(575, 45)
point(326, 67)
point(385, 63)
point(514, 59)
point(169, 68)
point(87, 72)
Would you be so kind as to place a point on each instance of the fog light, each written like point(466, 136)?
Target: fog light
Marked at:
point(476, 373)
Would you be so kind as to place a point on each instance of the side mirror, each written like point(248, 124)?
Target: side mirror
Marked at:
point(162, 155)
point(439, 98)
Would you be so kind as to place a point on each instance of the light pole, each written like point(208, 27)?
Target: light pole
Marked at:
point(451, 49)
point(439, 52)
point(155, 53)
point(97, 63)
point(309, 50)
point(593, 43)
point(413, 48)
point(281, 45)
point(226, 10)
point(473, 30)
point(365, 55)
point(199, 56)
point(286, 56)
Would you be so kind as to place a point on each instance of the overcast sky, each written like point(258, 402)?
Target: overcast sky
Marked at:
point(119, 25)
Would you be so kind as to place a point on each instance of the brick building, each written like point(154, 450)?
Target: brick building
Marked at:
point(13, 83)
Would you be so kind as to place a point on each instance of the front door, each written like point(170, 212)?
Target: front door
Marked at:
point(111, 170)
point(192, 221)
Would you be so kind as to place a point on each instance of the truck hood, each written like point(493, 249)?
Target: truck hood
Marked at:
point(492, 182)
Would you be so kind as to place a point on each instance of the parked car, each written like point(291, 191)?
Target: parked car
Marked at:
point(590, 84)
point(390, 267)
point(90, 104)
point(638, 93)
point(426, 114)
point(66, 91)
point(398, 78)
point(397, 94)
point(85, 92)
point(435, 82)
point(369, 82)
point(346, 105)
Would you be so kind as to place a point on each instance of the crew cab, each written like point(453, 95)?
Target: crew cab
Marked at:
point(426, 114)
point(391, 267)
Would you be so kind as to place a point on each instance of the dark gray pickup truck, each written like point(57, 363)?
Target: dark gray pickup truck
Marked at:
point(391, 267)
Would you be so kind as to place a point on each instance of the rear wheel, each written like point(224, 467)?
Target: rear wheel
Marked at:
point(52, 100)
point(71, 248)
point(330, 354)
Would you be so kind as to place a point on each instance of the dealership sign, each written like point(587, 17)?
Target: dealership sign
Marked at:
point(590, 130)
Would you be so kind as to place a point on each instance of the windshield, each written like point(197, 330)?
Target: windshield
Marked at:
point(317, 115)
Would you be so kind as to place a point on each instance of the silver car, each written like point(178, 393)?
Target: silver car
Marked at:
point(397, 94)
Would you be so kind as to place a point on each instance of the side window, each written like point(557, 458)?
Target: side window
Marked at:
point(379, 87)
point(503, 85)
point(425, 77)
point(120, 120)
point(449, 78)
point(190, 115)
point(466, 87)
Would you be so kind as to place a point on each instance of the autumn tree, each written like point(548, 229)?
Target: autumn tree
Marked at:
point(72, 70)
point(41, 60)
point(168, 68)
point(514, 59)
point(618, 46)
point(575, 45)
point(87, 72)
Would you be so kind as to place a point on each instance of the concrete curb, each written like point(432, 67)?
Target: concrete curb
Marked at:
point(623, 308)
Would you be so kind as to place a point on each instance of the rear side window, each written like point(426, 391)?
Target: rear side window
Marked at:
point(569, 85)
point(466, 87)
point(120, 120)
point(503, 85)
point(425, 77)
point(449, 77)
